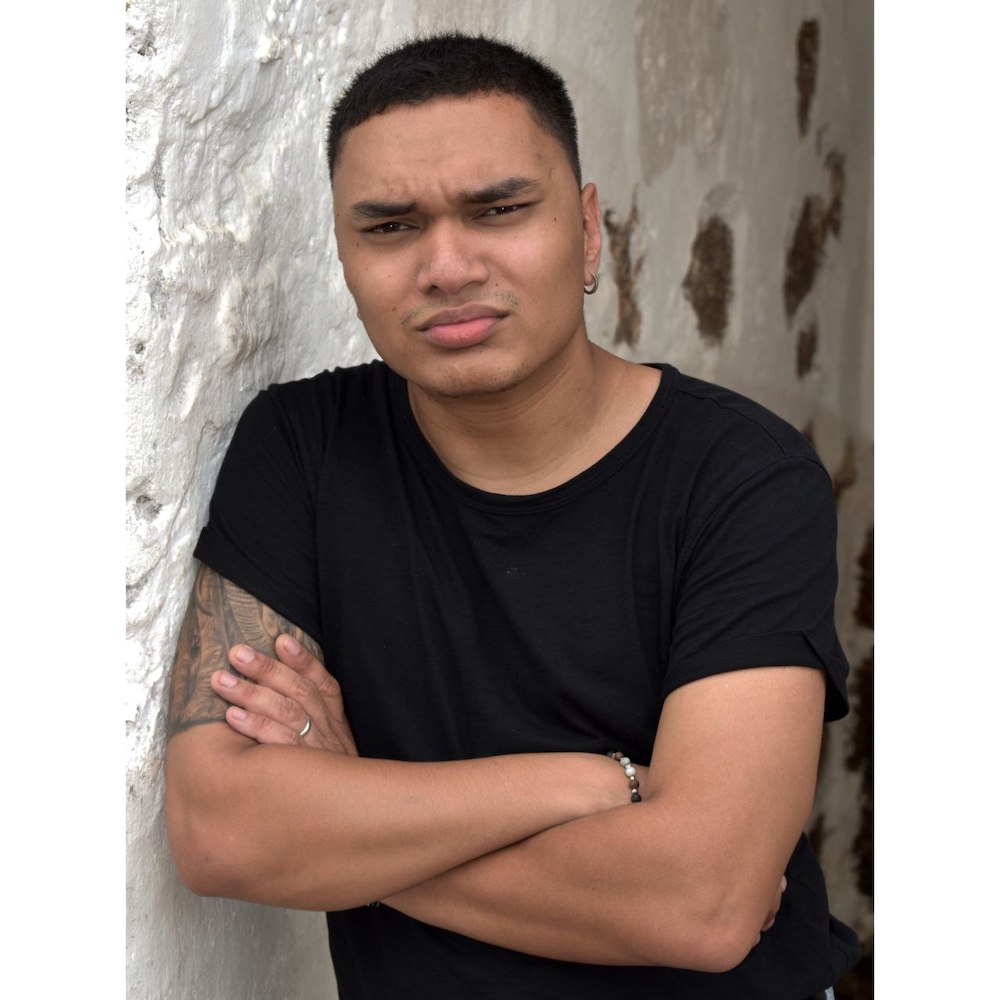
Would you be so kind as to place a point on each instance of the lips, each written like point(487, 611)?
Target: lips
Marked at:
point(462, 327)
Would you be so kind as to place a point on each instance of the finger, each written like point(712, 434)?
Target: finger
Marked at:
point(293, 654)
point(280, 678)
point(261, 728)
point(772, 914)
point(259, 700)
point(272, 690)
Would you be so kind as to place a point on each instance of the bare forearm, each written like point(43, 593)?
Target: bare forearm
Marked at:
point(315, 830)
point(626, 887)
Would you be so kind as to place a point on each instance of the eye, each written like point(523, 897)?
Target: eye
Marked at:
point(386, 228)
point(499, 211)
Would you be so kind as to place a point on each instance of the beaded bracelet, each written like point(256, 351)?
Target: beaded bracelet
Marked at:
point(633, 781)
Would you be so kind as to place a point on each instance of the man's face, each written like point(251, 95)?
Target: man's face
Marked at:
point(466, 243)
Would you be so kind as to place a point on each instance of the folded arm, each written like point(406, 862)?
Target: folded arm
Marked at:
point(688, 877)
point(685, 878)
point(315, 829)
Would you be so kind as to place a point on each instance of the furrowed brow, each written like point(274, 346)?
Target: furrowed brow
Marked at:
point(381, 209)
point(509, 188)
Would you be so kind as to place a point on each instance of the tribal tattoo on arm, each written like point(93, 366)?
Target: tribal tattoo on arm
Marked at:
point(219, 615)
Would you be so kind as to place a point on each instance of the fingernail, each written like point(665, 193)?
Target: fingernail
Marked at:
point(243, 654)
point(227, 680)
point(237, 713)
point(291, 646)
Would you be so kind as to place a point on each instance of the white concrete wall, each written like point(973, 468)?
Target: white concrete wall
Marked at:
point(688, 109)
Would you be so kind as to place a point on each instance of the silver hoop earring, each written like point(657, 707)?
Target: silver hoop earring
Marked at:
point(591, 286)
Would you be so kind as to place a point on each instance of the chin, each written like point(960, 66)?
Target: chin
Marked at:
point(464, 375)
point(465, 385)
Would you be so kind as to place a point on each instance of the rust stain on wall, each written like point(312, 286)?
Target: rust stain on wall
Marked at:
point(857, 984)
point(861, 759)
point(802, 260)
point(807, 52)
point(818, 218)
point(846, 474)
point(805, 350)
point(835, 204)
point(864, 610)
point(708, 284)
point(625, 273)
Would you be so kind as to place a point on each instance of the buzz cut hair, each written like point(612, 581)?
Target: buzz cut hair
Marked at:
point(455, 65)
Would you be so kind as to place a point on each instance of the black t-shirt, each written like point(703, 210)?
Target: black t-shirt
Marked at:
point(464, 624)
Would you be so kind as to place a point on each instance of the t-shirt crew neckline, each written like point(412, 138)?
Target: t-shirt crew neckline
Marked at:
point(579, 484)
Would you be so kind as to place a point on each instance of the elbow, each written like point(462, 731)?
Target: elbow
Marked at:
point(707, 932)
point(206, 824)
point(206, 859)
point(725, 950)
point(197, 878)
point(197, 872)
point(710, 949)
point(218, 855)
point(194, 864)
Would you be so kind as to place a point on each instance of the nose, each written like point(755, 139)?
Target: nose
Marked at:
point(452, 258)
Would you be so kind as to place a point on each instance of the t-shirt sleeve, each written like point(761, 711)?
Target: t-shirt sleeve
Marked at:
point(261, 531)
point(758, 582)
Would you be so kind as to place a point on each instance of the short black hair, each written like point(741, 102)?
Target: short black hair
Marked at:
point(455, 65)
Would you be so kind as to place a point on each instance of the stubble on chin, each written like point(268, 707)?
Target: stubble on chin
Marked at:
point(450, 383)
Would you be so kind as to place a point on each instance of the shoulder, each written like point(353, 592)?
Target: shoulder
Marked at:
point(717, 447)
point(715, 416)
point(308, 408)
point(292, 425)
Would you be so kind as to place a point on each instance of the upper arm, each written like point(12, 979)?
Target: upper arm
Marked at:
point(734, 765)
point(753, 664)
point(758, 582)
point(219, 615)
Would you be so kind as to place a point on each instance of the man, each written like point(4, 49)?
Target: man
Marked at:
point(517, 553)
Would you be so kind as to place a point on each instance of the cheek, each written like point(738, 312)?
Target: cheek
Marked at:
point(552, 265)
point(376, 297)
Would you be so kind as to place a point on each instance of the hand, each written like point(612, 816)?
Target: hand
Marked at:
point(275, 697)
point(772, 913)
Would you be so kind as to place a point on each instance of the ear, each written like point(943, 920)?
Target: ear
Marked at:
point(591, 232)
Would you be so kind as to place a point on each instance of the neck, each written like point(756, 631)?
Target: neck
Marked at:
point(542, 432)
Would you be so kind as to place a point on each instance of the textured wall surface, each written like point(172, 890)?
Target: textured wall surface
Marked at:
point(731, 144)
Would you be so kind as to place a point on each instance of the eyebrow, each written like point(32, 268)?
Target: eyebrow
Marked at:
point(380, 209)
point(501, 190)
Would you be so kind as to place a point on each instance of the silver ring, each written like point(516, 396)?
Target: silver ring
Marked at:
point(305, 729)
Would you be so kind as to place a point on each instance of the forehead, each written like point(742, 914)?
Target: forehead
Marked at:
point(446, 144)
